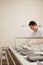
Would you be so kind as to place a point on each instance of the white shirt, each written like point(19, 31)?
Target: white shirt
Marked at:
point(36, 46)
point(39, 33)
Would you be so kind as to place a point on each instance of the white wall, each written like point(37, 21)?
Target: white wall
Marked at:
point(16, 13)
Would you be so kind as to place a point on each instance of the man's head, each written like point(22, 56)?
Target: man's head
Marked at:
point(33, 25)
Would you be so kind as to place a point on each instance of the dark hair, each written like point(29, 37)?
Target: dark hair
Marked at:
point(32, 23)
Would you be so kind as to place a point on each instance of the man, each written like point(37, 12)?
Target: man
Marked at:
point(37, 31)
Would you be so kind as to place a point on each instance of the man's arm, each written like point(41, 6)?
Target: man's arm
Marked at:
point(33, 42)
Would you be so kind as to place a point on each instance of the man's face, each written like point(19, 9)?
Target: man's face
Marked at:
point(34, 28)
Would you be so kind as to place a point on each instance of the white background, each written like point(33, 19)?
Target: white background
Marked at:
point(15, 16)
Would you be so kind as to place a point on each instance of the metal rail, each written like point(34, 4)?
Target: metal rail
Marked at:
point(1, 57)
point(28, 38)
point(6, 58)
point(11, 57)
